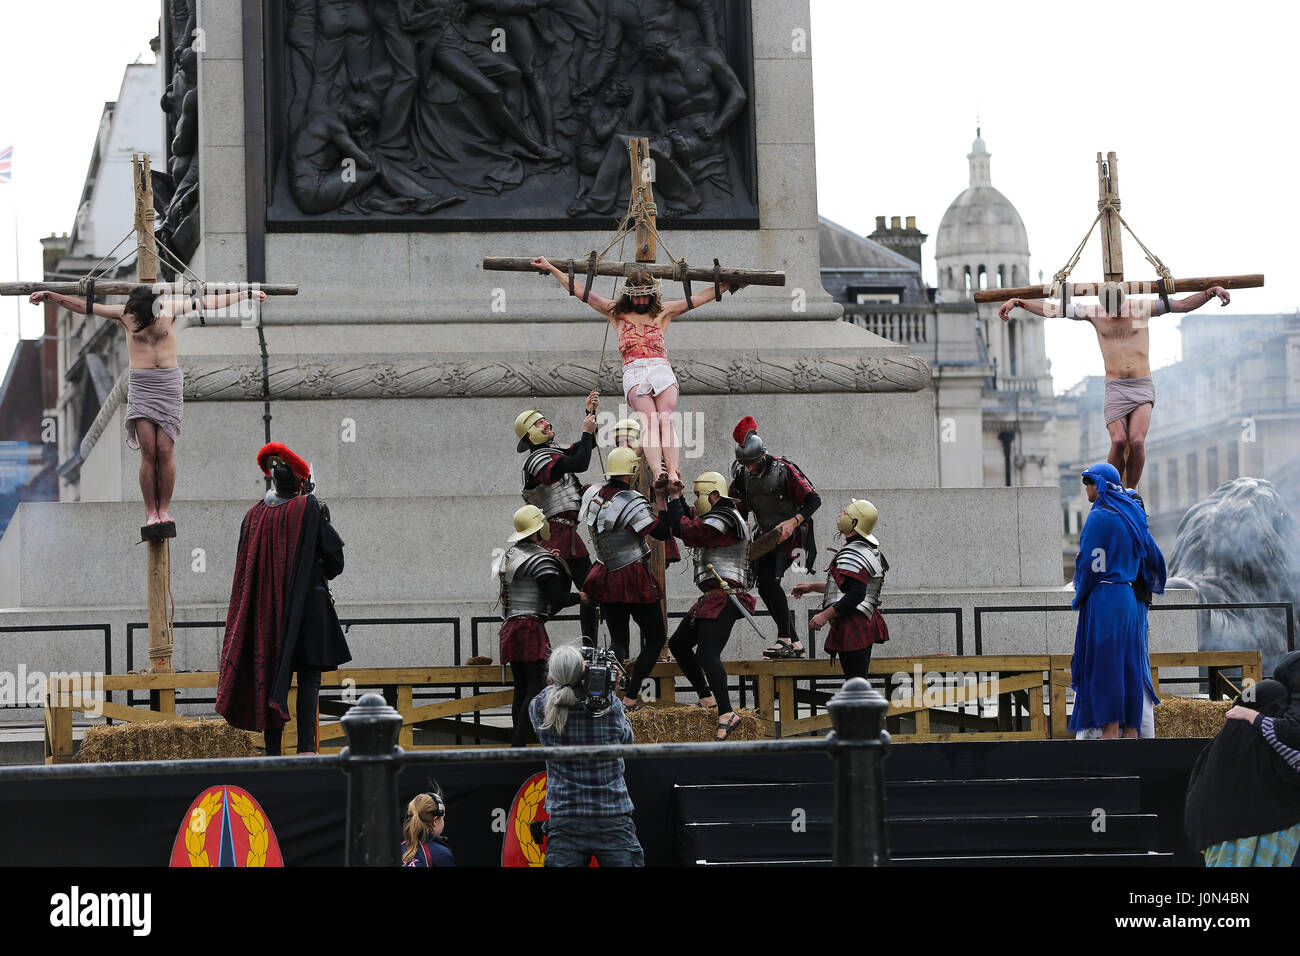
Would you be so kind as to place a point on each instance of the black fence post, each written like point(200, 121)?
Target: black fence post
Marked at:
point(858, 745)
point(369, 761)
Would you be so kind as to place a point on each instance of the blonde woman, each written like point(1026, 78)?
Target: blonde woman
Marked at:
point(426, 815)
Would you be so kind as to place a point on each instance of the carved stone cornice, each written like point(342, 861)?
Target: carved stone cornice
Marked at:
point(216, 380)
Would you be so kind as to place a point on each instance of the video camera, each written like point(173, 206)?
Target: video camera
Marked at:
point(600, 683)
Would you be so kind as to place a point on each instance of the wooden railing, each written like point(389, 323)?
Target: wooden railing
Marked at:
point(937, 689)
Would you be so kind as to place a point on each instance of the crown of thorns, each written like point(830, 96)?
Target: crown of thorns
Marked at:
point(652, 288)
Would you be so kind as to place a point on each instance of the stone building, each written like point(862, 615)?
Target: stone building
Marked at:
point(992, 381)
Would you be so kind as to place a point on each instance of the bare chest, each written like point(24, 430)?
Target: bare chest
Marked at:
point(1122, 331)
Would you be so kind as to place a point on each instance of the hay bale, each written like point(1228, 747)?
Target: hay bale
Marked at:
point(676, 723)
point(1190, 716)
point(166, 740)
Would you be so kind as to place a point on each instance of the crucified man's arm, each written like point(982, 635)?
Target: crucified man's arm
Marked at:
point(598, 302)
point(1198, 299)
point(1046, 308)
point(77, 305)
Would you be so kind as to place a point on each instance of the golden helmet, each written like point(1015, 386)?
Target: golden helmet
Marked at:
point(628, 429)
point(622, 462)
point(526, 425)
point(529, 520)
point(708, 482)
point(858, 517)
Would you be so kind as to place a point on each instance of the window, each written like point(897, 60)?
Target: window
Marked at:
point(1234, 469)
point(1066, 516)
point(1193, 480)
point(1012, 364)
point(1153, 488)
point(1212, 468)
point(868, 298)
point(1002, 277)
point(1171, 475)
point(967, 280)
point(984, 278)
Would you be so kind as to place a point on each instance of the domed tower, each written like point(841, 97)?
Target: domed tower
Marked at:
point(981, 241)
point(982, 244)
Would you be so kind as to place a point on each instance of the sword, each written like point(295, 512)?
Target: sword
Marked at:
point(726, 588)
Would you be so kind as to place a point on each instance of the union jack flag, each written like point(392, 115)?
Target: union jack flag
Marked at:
point(6, 164)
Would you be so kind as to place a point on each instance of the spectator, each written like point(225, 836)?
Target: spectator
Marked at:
point(587, 800)
point(425, 845)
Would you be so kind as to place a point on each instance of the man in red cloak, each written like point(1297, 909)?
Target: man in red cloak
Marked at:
point(281, 618)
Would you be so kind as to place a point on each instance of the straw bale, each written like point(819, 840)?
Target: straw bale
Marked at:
point(166, 740)
point(1189, 716)
point(675, 723)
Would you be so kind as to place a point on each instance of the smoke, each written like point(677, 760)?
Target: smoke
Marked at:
point(1241, 544)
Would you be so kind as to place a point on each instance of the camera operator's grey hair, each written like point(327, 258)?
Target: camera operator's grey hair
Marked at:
point(566, 673)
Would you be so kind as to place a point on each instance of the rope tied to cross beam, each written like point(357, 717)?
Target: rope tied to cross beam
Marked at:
point(1113, 205)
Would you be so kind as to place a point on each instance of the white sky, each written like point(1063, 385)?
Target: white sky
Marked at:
point(1198, 99)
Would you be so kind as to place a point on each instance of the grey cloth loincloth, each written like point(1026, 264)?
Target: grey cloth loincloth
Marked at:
point(154, 394)
point(1125, 394)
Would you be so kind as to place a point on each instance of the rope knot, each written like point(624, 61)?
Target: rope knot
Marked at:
point(1112, 205)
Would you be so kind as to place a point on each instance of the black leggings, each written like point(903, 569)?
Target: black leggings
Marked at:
point(580, 568)
point(855, 662)
point(308, 692)
point(650, 622)
point(530, 679)
point(768, 571)
point(698, 644)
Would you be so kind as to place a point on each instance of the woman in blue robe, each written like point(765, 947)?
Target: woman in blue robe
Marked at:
point(1111, 671)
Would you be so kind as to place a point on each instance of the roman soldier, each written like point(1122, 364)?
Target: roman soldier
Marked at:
point(619, 519)
point(627, 434)
point(281, 618)
point(852, 591)
point(720, 536)
point(551, 483)
point(535, 585)
point(782, 501)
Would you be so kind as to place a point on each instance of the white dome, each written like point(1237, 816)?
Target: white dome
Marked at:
point(981, 221)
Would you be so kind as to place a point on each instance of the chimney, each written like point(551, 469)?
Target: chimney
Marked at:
point(905, 241)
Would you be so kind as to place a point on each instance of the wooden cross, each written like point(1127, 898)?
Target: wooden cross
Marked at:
point(1112, 258)
point(644, 214)
point(155, 536)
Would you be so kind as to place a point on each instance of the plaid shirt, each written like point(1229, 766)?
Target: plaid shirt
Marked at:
point(584, 788)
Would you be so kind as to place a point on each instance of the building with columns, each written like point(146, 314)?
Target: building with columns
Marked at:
point(994, 407)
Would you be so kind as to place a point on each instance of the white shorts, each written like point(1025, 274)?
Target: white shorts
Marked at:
point(648, 376)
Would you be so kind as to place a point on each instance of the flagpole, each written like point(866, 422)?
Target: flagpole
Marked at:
point(18, 277)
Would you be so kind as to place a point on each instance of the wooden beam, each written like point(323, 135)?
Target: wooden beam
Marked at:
point(1083, 289)
point(158, 576)
point(146, 260)
point(127, 286)
point(638, 149)
point(1112, 251)
point(611, 268)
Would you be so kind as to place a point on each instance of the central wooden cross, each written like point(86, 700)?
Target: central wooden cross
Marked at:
point(643, 213)
point(1112, 258)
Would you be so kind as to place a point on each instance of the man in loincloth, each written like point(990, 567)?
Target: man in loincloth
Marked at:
point(1125, 341)
point(153, 398)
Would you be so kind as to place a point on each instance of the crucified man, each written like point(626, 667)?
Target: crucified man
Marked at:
point(153, 402)
point(1125, 341)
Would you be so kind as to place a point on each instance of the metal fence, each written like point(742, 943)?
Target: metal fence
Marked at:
point(372, 760)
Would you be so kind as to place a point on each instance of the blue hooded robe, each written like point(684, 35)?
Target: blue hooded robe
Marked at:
point(1111, 670)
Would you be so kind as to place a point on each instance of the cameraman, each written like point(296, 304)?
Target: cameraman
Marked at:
point(587, 800)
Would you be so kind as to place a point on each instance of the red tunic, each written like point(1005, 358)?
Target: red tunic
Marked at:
point(855, 632)
point(632, 584)
point(697, 534)
point(564, 540)
point(524, 639)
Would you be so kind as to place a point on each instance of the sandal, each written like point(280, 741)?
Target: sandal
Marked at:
point(704, 706)
point(728, 727)
point(781, 651)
